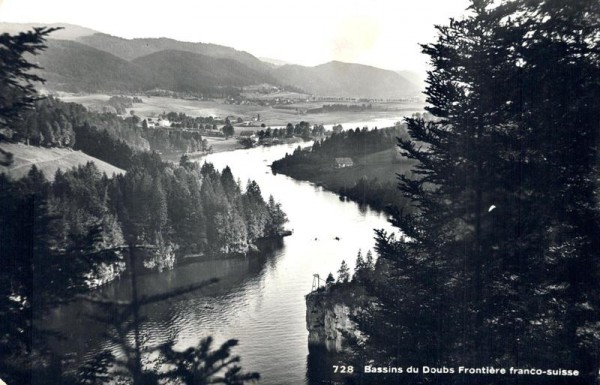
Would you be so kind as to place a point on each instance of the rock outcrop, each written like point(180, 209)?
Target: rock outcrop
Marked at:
point(326, 317)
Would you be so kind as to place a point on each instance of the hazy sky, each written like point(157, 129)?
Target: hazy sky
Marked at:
point(383, 33)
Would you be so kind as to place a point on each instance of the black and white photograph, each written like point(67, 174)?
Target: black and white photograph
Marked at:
point(308, 192)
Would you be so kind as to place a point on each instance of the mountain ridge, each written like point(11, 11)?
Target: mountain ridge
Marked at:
point(340, 79)
point(88, 60)
point(68, 65)
point(130, 49)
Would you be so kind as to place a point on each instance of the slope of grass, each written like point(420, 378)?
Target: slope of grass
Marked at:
point(372, 179)
point(49, 160)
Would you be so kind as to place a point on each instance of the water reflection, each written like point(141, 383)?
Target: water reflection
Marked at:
point(180, 318)
point(258, 300)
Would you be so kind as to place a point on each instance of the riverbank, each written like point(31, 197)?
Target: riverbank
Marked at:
point(371, 179)
point(259, 300)
point(220, 145)
point(262, 246)
point(329, 313)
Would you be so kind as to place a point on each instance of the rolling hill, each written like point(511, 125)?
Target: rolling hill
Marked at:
point(72, 66)
point(188, 72)
point(130, 49)
point(345, 80)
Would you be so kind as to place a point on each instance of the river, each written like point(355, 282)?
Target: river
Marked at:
point(258, 300)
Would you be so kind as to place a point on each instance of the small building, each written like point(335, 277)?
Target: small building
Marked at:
point(251, 135)
point(343, 162)
point(163, 123)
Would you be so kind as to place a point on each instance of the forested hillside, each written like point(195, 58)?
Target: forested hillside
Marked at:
point(130, 49)
point(191, 72)
point(106, 136)
point(75, 67)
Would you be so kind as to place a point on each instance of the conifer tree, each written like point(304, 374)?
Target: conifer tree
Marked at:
point(497, 264)
point(344, 273)
point(360, 267)
point(17, 83)
point(369, 263)
point(330, 279)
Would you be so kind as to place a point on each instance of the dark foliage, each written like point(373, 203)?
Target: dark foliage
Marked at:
point(168, 140)
point(17, 83)
point(318, 164)
point(350, 143)
point(102, 145)
point(122, 103)
point(43, 267)
point(60, 239)
point(106, 136)
point(200, 365)
point(499, 266)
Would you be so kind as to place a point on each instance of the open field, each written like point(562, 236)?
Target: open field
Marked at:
point(49, 160)
point(254, 94)
point(384, 166)
point(270, 116)
point(222, 144)
point(372, 180)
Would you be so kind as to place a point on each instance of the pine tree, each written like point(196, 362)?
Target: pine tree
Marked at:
point(561, 115)
point(497, 264)
point(330, 279)
point(369, 261)
point(360, 268)
point(276, 218)
point(344, 273)
point(17, 83)
point(201, 364)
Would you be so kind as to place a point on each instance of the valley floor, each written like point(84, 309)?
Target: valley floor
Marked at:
point(269, 115)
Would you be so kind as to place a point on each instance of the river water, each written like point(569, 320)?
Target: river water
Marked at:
point(258, 300)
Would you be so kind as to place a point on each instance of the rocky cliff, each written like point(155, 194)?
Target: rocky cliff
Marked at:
point(327, 315)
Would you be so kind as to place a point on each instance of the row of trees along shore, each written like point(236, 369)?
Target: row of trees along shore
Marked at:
point(317, 164)
point(60, 238)
point(500, 264)
point(348, 143)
